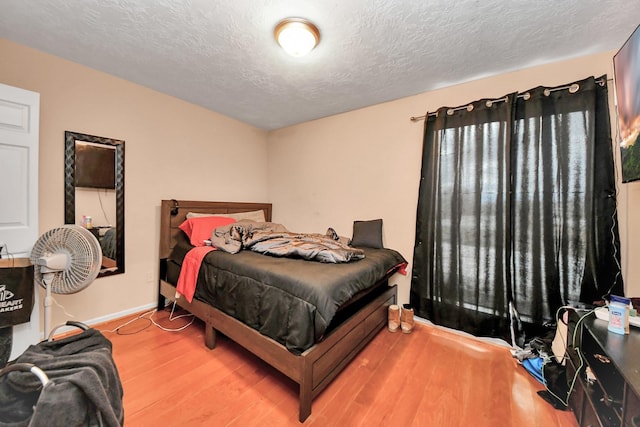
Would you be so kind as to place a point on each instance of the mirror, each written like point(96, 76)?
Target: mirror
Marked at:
point(94, 193)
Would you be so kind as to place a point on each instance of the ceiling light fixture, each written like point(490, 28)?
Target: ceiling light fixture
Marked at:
point(296, 36)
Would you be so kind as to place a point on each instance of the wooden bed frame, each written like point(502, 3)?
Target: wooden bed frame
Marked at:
point(315, 368)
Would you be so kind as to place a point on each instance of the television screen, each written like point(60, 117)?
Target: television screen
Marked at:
point(95, 165)
point(626, 63)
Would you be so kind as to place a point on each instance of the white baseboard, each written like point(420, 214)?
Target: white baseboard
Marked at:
point(107, 318)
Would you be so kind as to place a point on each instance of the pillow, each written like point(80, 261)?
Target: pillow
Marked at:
point(367, 234)
point(200, 229)
point(257, 216)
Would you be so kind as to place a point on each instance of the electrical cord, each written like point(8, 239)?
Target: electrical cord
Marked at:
point(565, 402)
point(102, 207)
point(62, 307)
point(116, 330)
point(614, 217)
point(151, 321)
point(171, 319)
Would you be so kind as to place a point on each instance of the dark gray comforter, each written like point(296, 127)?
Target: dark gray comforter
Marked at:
point(290, 300)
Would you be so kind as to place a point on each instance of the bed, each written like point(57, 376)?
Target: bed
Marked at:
point(312, 365)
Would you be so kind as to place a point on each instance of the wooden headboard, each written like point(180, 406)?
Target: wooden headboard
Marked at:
point(174, 212)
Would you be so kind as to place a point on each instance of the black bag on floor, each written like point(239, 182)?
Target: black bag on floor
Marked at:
point(16, 291)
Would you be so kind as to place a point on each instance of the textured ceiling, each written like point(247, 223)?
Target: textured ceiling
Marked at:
point(221, 54)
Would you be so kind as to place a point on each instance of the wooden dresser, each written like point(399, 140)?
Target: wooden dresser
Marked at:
point(613, 397)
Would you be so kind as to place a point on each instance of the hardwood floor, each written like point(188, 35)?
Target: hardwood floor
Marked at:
point(431, 377)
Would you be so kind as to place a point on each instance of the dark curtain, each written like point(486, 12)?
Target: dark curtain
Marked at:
point(516, 206)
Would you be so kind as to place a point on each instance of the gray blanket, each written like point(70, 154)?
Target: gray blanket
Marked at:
point(274, 239)
point(85, 388)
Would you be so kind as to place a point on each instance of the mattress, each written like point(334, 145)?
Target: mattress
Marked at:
point(292, 301)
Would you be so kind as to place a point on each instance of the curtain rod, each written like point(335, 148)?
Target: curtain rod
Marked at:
point(573, 88)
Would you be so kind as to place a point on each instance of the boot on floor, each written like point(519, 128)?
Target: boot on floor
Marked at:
point(394, 318)
point(406, 319)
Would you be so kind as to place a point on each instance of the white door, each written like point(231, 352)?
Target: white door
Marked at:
point(19, 138)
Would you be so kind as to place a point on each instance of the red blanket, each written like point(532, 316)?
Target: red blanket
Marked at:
point(189, 272)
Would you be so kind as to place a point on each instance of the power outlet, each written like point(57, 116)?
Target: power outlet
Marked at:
point(149, 277)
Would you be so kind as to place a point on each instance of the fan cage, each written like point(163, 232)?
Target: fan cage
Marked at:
point(84, 258)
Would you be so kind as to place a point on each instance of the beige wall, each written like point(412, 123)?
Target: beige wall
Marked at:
point(325, 173)
point(173, 149)
point(365, 164)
